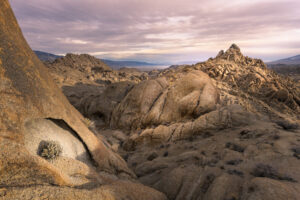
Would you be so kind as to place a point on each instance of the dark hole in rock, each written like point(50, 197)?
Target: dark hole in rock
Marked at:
point(152, 156)
point(99, 118)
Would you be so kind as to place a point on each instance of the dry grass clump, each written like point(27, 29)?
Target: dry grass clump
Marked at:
point(88, 122)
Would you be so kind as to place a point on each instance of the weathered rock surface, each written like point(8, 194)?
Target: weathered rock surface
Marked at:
point(157, 102)
point(247, 162)
point(33, 109)
point(251, 84)
point(232, 133)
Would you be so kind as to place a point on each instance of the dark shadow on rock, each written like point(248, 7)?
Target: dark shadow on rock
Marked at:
point(97, 102)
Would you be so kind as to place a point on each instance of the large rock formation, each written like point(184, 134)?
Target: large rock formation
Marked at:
point(253, 85)
point(157, 102)
point(233, 152)
point(227, 128)
point(44, 141)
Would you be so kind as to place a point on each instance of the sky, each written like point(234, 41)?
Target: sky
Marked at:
point(161, 31)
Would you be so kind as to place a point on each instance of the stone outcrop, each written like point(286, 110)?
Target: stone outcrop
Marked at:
point(82, 62)
point(254, 86)
point(86, 69)
point(33, 111)
point(223, 118)
point(157, 102)
point(233, 152)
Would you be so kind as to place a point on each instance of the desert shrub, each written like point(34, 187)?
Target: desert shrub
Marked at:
point(87, 122)
point(50, 150)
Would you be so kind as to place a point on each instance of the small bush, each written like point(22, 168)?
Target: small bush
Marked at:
point(50, 150)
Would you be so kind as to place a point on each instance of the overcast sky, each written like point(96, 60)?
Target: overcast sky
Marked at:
point(161, 30)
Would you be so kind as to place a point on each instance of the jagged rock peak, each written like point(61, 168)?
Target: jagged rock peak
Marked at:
point(234, 46)
point(234, 49)
point(232, 54)
point(220, 53)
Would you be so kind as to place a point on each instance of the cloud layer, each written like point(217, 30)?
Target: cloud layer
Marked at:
point(161, 30)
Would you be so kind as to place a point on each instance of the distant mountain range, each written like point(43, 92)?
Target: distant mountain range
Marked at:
point(44, 56)
point(120, 64)
point(295, 60)
point(287, 66)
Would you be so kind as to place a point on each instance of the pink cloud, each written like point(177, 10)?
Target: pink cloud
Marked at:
point(169, 30)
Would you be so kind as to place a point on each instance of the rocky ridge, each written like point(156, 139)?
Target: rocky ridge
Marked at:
point(83, 68)
point(248, 82)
